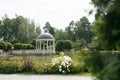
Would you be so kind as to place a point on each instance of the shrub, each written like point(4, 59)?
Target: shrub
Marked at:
point(23, 46)
point(29, 46)
point(28, 66)
point(62, 63)
point(59, 45)
point(67, 45)
point(3, 46)
point(63, 45)
point(111, 66)
point(77, 45)
point(93, 62)
point(43, 67)
point(9, 45)
point(17, 46)
point(10, 67)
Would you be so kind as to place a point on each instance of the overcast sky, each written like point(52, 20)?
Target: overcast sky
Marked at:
point(58, 12)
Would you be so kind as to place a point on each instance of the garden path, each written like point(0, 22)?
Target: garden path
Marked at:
point(42, 77)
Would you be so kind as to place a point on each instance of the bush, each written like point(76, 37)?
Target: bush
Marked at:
point(111, 67)
point(9, 46)
point(10, 67)
point(59, 45)
point(23, 46)
point(67, 45)
point(27, 66)
point(87, 61)
point(77, 45)
point(64, 45)
point(62, 63)
point(93, 61)
point(3, 46)
point(17, 46)
point(43, 67)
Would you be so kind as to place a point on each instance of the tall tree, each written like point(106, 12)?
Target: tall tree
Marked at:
point(6, 31)
point(18, 28)
point(83, 30)
point(60, 34)
point(107, 24)
point(49, 28)
point(70, 31)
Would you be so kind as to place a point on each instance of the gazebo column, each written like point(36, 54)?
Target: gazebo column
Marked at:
point(44, 48)
point(40, 46)
point(47, 46)
point(36, 44)
point(53, 46)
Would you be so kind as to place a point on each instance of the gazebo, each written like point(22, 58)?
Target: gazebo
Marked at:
point(45, 43)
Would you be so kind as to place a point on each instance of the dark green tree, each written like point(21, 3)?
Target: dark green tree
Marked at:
point(49, 28)
point(6, 31)
point(70, 31)
point(84, 30)
point(107, 24)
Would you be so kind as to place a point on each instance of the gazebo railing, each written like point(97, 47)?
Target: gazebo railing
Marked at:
point(32, 51)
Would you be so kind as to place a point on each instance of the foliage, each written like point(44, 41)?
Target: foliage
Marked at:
point(87, 61)
point(82, 61)
point(107, 23)
point(77, 30)
point(10, 67)
point(60, 35)
point(83, 30)
point(5, 46)
point(43, 67)
point(17, 46)
point(94, 45)
point(27, 66)
point(77, 45)
point(9, 45)
point(18, 28)
point(49, 28)
point(111, 66)
point(62, 63)
point(93, 61)
point(63, 45)
point(23, 46)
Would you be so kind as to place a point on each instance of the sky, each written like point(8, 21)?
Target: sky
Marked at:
point(58, 12)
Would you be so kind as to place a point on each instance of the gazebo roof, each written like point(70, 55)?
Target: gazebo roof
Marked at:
point(45, 36)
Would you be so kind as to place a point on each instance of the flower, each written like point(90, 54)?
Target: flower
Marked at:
point(62, 62)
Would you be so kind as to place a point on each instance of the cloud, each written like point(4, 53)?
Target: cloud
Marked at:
point(58, 12)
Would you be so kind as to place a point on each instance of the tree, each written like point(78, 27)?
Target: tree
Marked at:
point(70, 31)
point(83, 30)
point(18, 29)
point(6, 31)
point(49, 28)
point(107, 24)
point(38, 30)
point(107, 28)
point(60, 34)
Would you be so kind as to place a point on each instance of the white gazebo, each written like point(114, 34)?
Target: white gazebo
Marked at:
point(45, 43)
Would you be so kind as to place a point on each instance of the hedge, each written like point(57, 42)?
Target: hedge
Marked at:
point(63, 45)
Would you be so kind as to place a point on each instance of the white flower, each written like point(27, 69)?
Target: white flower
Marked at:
point(63, 62)
point(67, 58)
